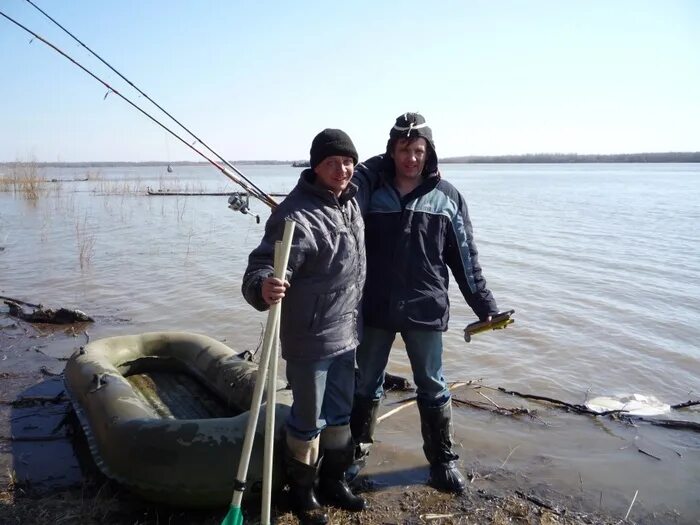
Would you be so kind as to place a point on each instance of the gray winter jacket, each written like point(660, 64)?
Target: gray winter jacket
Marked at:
point(326, 271)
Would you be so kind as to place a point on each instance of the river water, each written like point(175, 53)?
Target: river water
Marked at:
point(600, 261)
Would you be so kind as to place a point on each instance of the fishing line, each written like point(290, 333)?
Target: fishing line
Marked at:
point(239, 178)
point(145, 95)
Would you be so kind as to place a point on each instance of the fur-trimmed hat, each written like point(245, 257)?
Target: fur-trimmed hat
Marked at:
point(331, 142)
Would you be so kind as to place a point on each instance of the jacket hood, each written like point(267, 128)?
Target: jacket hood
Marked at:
point(411, 126)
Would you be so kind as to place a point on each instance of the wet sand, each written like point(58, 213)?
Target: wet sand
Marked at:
point(47, 476)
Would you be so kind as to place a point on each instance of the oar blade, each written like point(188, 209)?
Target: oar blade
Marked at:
point(234, 516)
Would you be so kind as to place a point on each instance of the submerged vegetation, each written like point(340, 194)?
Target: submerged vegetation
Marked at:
point(105, 187)
point(59, 200)
point(25, 179)
point(85, 237)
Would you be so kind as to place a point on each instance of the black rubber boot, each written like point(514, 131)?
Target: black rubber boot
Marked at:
point(436, 423)
point(332, 487)
point(363, 420)
point(302, 499)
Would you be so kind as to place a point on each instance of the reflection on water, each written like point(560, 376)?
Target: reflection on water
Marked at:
point(600, 263)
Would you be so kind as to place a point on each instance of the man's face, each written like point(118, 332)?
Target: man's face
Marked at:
point(409, 157)
point(334, 173)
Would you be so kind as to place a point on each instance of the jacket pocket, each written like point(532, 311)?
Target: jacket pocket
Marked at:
point(427, 308)
point(333, 308)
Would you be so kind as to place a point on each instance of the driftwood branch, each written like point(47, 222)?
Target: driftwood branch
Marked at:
point(668, 423)
point(405, 403)
point(581, 409)
point(534, 499)
point(685, 405)
point(503, 411)
point(46, 315)
point(647, 454)
point(400, 383)
point(619, 414)
point(19, 301)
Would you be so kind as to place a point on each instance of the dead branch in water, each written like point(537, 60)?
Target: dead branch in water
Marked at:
point(47, 315)
point(621, 415)
point(685, 405)
point(20, 301)
point(410, 402)
point(581, 409)
point(503, 411)
point(537, 501)
point(647, 454)
point(678, 424)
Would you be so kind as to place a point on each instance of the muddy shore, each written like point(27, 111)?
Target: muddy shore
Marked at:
point(46, 476)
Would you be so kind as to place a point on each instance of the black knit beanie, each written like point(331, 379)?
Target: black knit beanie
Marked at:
point(411, 125)
point(332, 142)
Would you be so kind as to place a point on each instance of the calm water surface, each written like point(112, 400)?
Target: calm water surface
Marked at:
point(601, 263)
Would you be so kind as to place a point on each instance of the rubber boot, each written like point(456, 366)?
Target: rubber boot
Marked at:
point(302, 466)
point(363, 420)
point(337, 447)
point(436, 423)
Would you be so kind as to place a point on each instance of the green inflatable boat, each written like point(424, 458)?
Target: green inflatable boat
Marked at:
point(165, 415)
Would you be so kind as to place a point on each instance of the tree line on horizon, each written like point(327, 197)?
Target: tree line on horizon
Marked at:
point(529, 158)
point(562, 158)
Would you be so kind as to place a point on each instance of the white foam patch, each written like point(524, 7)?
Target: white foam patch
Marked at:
point(635, 404)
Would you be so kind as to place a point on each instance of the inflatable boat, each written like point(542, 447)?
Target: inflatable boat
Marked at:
point(165, 415)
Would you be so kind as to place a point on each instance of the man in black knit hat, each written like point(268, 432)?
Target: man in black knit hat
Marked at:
point(417, 226)
point(319, 321)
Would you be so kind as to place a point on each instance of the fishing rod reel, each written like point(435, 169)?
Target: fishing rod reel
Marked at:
point(240, 201)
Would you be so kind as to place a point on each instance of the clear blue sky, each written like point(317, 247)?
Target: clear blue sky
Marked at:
point(257, 80)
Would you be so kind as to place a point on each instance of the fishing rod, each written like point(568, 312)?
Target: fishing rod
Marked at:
point(144, 94)
point(236, 176)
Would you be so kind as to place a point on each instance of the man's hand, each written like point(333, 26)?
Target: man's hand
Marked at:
point(273, 290)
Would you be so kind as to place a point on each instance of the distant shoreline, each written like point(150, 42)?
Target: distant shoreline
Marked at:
point(531, 158)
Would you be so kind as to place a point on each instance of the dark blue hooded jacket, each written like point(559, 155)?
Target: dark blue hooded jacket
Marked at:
point(411, 242)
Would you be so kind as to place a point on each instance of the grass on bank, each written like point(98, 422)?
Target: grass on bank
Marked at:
point(97, 504)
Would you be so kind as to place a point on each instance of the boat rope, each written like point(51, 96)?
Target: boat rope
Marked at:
point(233, 173)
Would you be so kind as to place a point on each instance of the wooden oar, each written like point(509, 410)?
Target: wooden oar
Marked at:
point(235, 515)
point(271, 400)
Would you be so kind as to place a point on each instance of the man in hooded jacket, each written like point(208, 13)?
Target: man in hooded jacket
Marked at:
point(416, 227)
